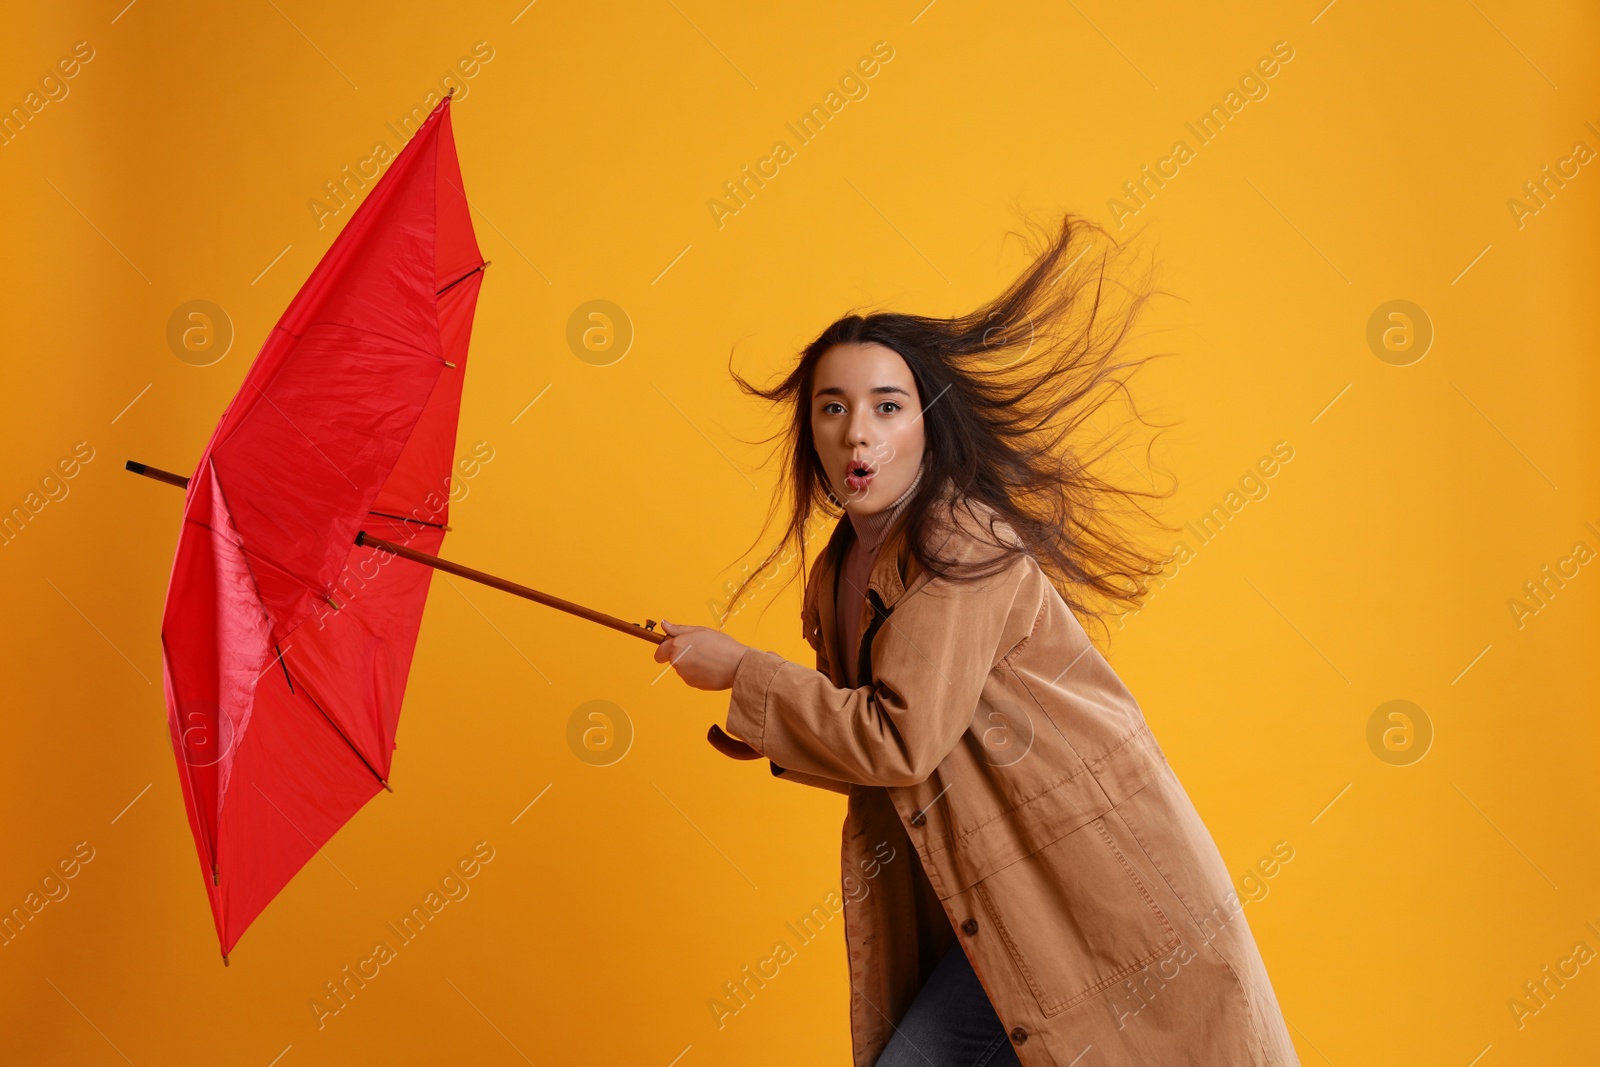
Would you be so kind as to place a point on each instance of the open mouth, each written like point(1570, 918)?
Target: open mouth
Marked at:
point(858, 474)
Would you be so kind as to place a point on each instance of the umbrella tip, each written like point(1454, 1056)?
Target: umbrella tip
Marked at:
point(386, 784)
point(224, 959)
point(137, 468)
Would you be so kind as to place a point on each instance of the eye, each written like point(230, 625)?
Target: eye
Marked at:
point(893, 404)
point(831, 404)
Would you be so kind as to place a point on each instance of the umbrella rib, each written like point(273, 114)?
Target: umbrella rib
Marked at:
point(285, 666)
point(463, 278)
point(302, 433)
point(336, 728)
point(407, 518)
point(243, 550)
point(251, 554)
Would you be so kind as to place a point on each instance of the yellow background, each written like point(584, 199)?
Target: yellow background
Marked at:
point(1379, 566)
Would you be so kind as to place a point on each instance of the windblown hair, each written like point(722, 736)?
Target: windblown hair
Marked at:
point(1008, 392)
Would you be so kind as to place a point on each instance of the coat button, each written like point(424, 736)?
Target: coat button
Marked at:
point(918, 818)
point(969, 927)
point(1019, 1035)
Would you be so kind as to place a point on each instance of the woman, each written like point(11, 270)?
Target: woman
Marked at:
point(1026, 881)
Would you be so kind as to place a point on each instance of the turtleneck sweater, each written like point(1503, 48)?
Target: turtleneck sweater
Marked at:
point(850, 585)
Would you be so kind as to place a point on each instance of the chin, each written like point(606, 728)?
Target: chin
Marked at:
point(874, 501)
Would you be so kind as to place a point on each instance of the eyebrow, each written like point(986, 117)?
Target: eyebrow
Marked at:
point(834, 390)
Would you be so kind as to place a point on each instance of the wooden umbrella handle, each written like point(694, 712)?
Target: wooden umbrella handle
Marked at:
point(729, 745)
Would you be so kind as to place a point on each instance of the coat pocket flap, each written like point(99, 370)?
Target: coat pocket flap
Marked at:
point(1104, 782)
point(1076, 916)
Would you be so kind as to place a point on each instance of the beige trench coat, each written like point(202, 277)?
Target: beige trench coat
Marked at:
point(1005, 790)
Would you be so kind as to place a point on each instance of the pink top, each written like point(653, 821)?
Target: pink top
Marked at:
point(850, 585)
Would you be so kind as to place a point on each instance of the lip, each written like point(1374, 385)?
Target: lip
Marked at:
point(859, 482)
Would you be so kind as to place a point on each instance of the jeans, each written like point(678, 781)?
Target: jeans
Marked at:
point(950, 1023)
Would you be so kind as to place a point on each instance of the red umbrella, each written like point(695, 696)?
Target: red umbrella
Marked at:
point(288, 632)
point(286, 649)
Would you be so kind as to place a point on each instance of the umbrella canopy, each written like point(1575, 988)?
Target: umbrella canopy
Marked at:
point(285, 645)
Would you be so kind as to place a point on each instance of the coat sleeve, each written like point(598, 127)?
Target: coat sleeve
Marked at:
point(800, 777)
point(931, 658)
point(809, 779)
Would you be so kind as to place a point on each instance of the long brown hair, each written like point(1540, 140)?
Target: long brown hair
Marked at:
point(1007, 393)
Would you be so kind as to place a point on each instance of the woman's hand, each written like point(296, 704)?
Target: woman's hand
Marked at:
point(703, 657)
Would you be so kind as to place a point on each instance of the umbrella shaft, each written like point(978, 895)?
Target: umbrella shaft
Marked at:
point(435, 562)
point(363, 538)
point(158, 474)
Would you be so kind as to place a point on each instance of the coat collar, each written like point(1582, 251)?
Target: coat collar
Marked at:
point(894, 572)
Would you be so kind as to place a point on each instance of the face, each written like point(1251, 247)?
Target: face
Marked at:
point(866, 425)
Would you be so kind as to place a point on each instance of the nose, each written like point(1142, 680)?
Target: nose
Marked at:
point(858, 432)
